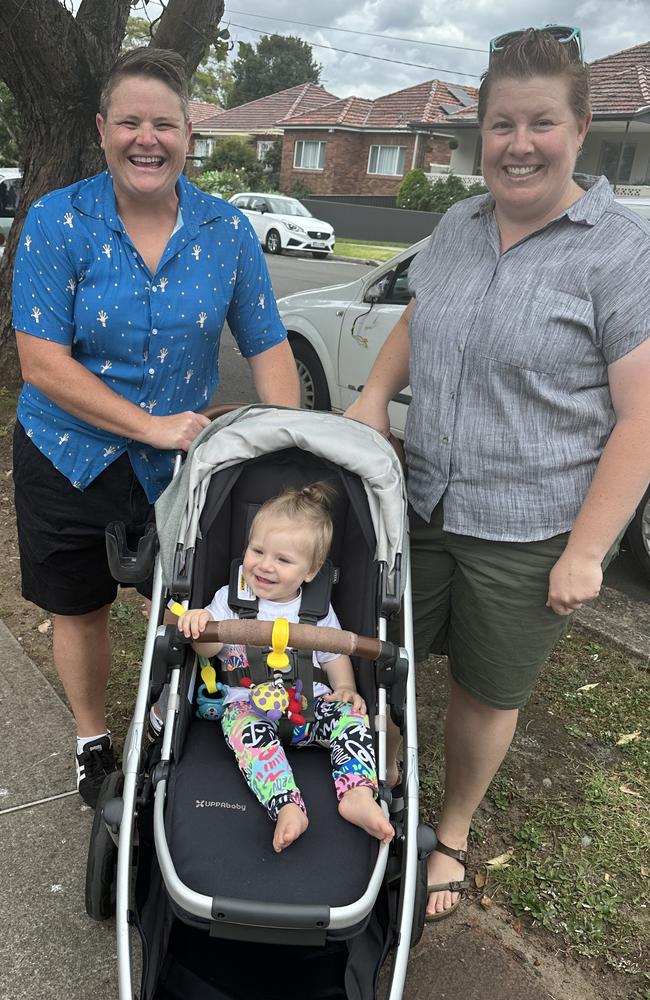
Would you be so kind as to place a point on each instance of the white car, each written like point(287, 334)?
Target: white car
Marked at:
point(336, 333)
point(10, 178)
point(285, 224)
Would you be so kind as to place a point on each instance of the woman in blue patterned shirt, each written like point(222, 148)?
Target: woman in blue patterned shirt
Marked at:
point(122, 285)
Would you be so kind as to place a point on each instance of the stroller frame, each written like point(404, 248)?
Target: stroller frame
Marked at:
point(281, 918)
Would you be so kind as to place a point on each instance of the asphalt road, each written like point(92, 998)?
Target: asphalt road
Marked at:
point(288, 274)
point(295, 274)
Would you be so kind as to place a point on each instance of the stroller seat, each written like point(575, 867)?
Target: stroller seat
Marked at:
point(220, 837)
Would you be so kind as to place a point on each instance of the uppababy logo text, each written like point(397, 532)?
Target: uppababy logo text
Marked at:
point(209, 804)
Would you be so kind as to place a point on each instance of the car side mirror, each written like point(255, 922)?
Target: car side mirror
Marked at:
point(377, 291)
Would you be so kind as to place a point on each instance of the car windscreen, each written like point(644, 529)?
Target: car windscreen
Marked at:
point(287, 207)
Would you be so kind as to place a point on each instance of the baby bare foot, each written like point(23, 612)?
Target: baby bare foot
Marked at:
point(291, 822)
point(358, 806)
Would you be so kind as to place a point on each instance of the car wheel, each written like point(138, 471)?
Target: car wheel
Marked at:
point(314, 394)
point(638, 534)
point(319, 254)
point(101, 868)
point(273, 241)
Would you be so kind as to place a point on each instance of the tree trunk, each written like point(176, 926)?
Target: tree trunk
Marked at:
point(55, 65)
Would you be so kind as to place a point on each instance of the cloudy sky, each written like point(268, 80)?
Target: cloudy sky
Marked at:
point(405, 29)
point(418, 40)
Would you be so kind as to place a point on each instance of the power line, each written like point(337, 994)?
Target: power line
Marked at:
point(351, 31)
point(365, 55)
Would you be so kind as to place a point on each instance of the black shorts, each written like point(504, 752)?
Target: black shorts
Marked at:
point(61, 539)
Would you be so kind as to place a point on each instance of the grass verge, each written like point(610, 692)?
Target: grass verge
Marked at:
point(580, 863)
point(367, 250)
point(567, 818)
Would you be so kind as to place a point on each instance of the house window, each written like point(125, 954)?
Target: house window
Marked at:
point(263, 146)
point(387, 160)
point(309, 155)
point(203, 148)
point(616, 161)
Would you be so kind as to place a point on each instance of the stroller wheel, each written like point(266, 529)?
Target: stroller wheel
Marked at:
point(102, 855)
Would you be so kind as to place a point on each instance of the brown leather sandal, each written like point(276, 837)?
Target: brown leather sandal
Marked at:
point(460, 887)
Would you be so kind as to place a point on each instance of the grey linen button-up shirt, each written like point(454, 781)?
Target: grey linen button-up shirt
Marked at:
point(509, 351)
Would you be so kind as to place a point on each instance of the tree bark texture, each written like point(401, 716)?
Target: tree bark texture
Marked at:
point(55, 64)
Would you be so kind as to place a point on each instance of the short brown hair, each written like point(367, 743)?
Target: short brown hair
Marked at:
point(159, 64)
point(311, 505)
point(536, 52)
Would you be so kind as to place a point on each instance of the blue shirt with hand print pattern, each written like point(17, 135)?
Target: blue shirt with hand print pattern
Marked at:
point(153, 339)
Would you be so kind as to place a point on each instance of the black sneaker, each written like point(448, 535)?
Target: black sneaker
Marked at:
point(95, 761)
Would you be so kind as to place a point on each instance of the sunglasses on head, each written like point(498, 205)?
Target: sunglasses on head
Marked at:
point(566, 34)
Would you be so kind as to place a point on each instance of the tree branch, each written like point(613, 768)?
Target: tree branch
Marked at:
point(189, 27)
point(99, 18)
point(32, 37)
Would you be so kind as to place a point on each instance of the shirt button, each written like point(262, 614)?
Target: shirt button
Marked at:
point(154, 331)
point(152, 371)
point(445, 439)
point(143, 405)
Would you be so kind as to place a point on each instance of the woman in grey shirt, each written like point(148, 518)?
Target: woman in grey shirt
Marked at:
point(527, 347)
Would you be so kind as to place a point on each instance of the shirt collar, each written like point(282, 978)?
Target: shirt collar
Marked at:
point(589, 209)
point(98, 201)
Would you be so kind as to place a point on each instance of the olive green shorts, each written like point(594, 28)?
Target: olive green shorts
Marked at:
point(483, 604)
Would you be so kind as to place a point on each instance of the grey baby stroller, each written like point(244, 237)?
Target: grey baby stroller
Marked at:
point(220, 916)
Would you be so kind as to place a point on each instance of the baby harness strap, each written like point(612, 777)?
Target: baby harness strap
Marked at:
point(314, 606)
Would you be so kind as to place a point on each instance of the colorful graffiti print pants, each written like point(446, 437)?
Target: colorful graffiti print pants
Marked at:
point(263, 762)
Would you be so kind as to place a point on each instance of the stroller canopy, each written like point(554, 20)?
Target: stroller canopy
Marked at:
point(257, 430)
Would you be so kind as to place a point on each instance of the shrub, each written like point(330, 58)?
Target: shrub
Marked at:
point(237, 156)
point(223, 183)
point(232, 154)
point(299, 190)
point(415, 192)
point(447, 192)
point(272, 162)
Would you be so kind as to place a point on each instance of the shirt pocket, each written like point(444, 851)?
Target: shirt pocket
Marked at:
point(549, 332)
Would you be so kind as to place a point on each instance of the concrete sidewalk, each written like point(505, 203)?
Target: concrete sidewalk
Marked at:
point(51, 950)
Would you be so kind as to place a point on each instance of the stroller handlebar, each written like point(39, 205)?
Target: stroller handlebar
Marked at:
point(252, 632)
point(219, 409)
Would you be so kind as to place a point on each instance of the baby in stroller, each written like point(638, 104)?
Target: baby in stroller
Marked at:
point(289, 540)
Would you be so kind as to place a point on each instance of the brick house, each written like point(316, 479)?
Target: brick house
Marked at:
point(358, 146)
point(618, 142)
point(200, 111)
point(257, 121)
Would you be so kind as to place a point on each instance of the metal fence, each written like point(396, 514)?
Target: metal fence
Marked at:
point(371, 222)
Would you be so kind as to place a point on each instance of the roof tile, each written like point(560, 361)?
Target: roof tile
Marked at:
point(200, 110)
point(421, 103)
point(267, 112)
